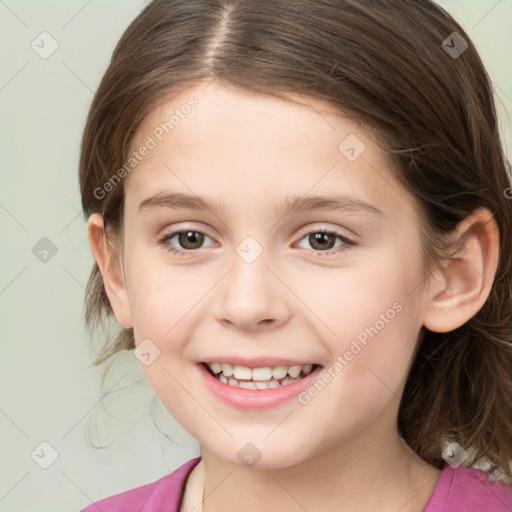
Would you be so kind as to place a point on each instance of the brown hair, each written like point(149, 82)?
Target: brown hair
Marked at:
point(382, 63)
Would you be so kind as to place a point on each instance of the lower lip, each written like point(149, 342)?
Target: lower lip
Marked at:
point(256, 398)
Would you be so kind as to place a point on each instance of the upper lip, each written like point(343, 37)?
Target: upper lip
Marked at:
point(257, 362)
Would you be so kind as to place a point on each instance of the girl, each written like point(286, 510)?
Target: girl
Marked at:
point(300, 215)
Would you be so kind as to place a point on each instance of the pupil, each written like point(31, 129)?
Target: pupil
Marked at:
point(322, 239)
point(190, 237)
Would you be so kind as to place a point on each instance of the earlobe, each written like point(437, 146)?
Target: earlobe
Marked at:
point(110, 267)
point(468, 277)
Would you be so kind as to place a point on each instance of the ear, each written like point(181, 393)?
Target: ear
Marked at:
point(466, 280)
point(110, 267)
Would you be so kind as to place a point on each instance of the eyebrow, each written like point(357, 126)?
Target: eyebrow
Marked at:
point(297, 204)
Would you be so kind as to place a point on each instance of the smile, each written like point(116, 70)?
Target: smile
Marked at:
point(258, 378)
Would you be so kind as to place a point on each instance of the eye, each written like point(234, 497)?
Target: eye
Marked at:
point(190, 240)
point(323, 241)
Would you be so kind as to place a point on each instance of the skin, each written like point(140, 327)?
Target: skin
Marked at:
point(341, 451)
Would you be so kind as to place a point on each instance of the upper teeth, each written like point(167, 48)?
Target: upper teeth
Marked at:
point(259, 374)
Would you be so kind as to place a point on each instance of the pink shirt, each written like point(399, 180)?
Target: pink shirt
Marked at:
point(458, 490)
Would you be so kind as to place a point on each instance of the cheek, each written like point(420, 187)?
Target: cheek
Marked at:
point(161, 294)
point(369, 315)
point(349, 300)
point(165, 309)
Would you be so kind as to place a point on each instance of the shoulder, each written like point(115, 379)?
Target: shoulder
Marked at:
point(469, 490)
point(166, 491)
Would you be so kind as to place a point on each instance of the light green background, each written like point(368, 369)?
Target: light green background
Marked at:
point(49, 391)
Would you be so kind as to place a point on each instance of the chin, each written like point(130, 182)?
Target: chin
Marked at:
point(262, 455)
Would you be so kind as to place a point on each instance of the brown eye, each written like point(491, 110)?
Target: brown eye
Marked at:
point(183, 241)
point(322, 241)
point(190, 239)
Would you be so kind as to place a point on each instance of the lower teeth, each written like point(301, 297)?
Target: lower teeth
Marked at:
point(252, 384)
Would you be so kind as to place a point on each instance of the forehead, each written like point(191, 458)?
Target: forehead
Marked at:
point(217, 140)
point(220, 112)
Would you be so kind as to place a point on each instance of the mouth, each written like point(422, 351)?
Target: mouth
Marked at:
point(267, 377)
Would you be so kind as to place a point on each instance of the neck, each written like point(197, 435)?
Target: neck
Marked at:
point(367, 476)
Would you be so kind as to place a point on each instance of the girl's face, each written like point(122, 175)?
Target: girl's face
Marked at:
point(255, 281)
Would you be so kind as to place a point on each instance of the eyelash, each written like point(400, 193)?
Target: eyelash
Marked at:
point(347, 242)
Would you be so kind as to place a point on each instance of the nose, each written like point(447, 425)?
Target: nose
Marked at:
point(252, 296)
